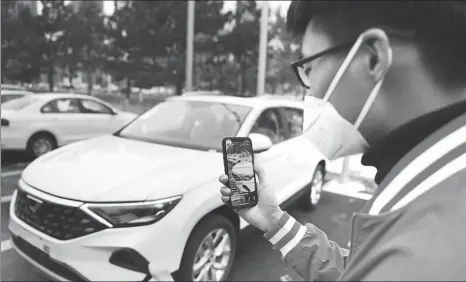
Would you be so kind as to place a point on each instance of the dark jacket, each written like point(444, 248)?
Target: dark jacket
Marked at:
point(414, 226)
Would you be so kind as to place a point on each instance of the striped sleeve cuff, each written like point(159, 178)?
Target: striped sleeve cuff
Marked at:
point(285, 234)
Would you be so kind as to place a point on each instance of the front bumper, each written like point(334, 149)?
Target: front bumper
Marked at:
point(87, 257)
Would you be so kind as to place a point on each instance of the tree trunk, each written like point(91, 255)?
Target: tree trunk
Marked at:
point(128, 88)
point(90, 81)
point(239, 84)
point(50, 76)
point(179, 87)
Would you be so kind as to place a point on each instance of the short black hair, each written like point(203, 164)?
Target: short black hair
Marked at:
point(440, 28)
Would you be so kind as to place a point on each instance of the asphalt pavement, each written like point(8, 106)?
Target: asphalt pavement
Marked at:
point(256, 260)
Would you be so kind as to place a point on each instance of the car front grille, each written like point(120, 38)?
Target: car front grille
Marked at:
point(58, 221)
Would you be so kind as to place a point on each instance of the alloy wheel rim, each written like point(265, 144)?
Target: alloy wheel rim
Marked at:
point(213, 256)
point(42, 146)
point(316, 187)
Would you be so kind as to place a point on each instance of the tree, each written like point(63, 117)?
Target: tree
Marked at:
point(55, 15)
point(149, 38)
point(136, 48)
point(243, 43)
point(21, 43)
point(281, 52)
point(84, 36)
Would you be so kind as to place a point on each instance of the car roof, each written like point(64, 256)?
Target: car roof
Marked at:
point(14, 92)
point(254, 102)
point(56, 95)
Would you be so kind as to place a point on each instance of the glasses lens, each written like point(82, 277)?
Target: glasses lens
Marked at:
point(303, 77)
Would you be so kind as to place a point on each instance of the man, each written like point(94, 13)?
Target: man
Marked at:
point(390, 78)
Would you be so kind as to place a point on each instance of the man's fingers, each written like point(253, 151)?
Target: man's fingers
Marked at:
point(226, 199)
point(223, 179)
point(259, 171)
point(225, 191)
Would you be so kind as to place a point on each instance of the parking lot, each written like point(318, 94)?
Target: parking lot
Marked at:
point(255, 259)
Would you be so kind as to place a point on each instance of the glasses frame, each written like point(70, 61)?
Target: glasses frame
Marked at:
point(407, 34)
point(299, 63)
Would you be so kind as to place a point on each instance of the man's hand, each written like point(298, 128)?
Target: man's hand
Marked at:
point(266, 212)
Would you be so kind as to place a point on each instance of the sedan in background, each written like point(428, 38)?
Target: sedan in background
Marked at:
point(151, 190)
point(8, 95)
point(40, 123)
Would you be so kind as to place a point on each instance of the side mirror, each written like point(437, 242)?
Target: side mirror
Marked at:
point(114, 112)
point(260, 142)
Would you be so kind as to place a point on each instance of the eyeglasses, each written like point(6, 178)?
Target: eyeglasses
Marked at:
point(298, 66)
point(303, 76)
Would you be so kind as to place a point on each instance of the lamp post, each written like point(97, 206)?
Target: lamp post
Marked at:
point(262, 48)
point(190, 46)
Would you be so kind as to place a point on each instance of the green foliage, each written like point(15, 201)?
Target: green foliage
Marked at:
point(144, 44)
point(84, 40)
point(22, 45)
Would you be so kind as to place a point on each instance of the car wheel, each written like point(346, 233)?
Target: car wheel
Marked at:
point(210, 251)
point(314, 189)
point(40, 144)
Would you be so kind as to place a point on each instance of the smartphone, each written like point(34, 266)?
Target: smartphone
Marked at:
point(238, 159)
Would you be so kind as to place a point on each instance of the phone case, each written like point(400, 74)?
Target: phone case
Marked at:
point(239, 198)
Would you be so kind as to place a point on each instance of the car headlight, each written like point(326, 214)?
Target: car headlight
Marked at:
point(133, 214)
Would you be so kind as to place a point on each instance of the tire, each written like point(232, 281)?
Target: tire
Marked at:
point(206, 228)
point(40, 144)
point(312, 195)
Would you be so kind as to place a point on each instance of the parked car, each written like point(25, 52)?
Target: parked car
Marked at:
point(151, 190)
point(40, 123)
point(8, 95)
point(6, 86)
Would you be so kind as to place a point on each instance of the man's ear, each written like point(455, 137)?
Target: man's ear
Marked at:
point(380, 57)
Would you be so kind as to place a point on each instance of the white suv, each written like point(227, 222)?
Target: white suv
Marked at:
point(152, 190)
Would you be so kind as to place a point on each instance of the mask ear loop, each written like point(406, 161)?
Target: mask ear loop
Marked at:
point(370, 100)
point(344, 66)
point(341, 71)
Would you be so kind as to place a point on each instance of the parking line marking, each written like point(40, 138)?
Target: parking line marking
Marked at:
point(6, 245)
point(6, 199)
point(11, 173)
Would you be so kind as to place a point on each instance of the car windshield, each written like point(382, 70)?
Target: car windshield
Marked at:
point(189, 124)
point(20, 103)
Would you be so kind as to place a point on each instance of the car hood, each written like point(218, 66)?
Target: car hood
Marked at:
point(115, 169)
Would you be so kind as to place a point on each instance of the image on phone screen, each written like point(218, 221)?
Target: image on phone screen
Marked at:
point(240, 169)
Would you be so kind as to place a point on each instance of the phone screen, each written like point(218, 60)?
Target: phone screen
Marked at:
point(239, 166)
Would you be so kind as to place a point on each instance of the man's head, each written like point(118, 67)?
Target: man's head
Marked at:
point(427, 71)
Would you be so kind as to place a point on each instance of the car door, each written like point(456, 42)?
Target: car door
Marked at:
point(275, 159)
point(303, 156)
point(63, 117)
point(101, 119)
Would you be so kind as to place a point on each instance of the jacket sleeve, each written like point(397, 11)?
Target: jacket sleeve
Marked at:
point(307, 250)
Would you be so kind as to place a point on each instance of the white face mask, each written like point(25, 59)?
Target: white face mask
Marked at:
point(332, 134)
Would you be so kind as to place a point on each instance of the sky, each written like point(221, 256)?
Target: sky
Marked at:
point(229, 5)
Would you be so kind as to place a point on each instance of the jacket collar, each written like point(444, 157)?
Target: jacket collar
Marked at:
point(384, 154)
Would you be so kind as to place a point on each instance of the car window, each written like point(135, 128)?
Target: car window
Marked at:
point(294, 118)
point(93, 107)
point(190, 124)
point(8, 97)
point(64, 105)
point(268, 123)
